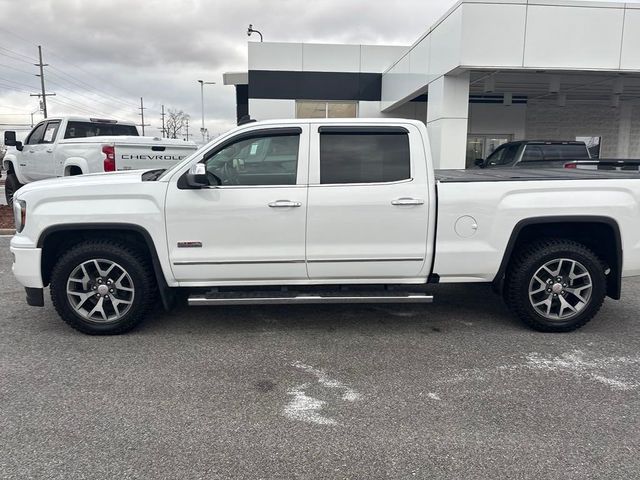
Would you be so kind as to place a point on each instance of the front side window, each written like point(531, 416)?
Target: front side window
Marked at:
point(365, 157)
point(503, 155)
point(36, 135)
point(50, 132)
point(262, 160)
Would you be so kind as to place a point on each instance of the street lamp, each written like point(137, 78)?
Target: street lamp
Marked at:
point(250, 30)
point(202, 84)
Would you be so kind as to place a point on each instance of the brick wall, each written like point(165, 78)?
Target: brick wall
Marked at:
point(620, 131)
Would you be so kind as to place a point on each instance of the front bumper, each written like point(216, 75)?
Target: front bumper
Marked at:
point(26, 266)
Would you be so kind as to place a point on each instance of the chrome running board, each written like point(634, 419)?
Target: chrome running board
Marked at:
point(276, 298)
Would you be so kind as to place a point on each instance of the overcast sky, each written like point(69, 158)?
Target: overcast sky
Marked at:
point(106, 54)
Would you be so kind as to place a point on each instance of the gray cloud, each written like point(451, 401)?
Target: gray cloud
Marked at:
point(158, 49)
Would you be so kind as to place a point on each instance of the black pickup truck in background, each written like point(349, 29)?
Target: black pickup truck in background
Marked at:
point(535, 154)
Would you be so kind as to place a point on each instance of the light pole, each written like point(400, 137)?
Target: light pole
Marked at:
point(202, 84)
point(251, 30)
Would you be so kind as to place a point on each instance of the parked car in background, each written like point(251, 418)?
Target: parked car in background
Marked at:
point(535, 154)
point(622, 164)
point(324, 211)
point(67, 146)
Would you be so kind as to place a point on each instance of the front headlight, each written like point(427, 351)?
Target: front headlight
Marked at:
point(19, 214)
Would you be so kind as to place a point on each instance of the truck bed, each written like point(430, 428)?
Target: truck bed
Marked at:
point(528, 174)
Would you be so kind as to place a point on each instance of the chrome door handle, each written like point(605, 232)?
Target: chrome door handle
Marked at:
point(407, 201)
point(284, 204)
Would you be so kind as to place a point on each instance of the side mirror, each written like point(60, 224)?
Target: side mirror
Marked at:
point(479, 162)
point(10, 140)
point(196, 177)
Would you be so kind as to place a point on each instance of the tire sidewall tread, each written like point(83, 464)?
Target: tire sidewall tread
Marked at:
point(527, 261)
point(132, 260)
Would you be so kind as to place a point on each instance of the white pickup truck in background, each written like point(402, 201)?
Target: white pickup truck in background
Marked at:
point(66, 146)
point(325, 211)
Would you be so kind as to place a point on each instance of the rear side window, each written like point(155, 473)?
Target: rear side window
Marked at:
point(366, 156)
point(96, 129)
point(532, 154)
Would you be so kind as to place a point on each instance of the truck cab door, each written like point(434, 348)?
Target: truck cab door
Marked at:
point(27, 157)
point(43, 160)
point(248, 224)
point(369, 196)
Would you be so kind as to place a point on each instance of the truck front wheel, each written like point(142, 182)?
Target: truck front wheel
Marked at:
point(102, 287)
point(11, 186)
point(555, 285)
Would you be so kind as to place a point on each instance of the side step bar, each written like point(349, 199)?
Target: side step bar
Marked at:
point(273, 298)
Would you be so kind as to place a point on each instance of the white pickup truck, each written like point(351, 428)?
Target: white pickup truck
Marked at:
point(324, 211)
point(66, 146)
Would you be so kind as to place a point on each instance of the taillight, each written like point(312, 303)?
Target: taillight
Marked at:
point(109, 158)
point(570, 165)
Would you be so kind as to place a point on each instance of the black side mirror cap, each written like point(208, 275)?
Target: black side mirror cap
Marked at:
point(10, 138)
point(479, 162)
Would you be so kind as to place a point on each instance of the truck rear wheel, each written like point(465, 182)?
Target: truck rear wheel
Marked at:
point(102, 287)
point(11, 186)
point(555, 285)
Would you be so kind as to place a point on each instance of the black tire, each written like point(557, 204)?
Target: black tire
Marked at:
point(132, 261)
point(529, 260)
point(11, 186)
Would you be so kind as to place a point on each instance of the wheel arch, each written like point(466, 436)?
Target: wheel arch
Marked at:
point(56, 237)
point(77, 162)
point(600, 233)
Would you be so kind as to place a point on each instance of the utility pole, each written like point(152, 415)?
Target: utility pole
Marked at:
point(43, 94)
point(142, 109)
point(187, 126)
point(163, 129)
point(202, 84)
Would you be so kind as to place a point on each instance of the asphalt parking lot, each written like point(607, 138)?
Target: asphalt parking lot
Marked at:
point(457, 389)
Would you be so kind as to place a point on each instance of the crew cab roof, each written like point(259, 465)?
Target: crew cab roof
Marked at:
point(75, 118)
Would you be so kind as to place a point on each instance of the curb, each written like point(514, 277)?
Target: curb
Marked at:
point(7, 231)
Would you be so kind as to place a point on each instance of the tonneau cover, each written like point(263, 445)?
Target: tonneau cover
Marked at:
point(529, 174)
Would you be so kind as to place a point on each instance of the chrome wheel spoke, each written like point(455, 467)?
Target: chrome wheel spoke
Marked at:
point(93, 293)
point(566, 291)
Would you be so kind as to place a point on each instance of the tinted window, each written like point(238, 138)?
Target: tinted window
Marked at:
point(96, 129)
point(36, 135)
point(269, 160)
point(563, 152)
point(532, 154)
point(364, 157)
point(503, 155)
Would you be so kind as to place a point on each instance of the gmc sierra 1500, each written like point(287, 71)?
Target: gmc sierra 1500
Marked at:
point(313, 211)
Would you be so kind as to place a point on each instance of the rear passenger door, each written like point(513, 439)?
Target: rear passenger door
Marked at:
point(368, 203)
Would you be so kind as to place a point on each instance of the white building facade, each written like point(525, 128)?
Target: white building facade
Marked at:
point(484, 74)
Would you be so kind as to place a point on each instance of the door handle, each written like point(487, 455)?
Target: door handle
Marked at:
point(284, 204)
point(31, 151)
point(49, 150)
point(407, 201)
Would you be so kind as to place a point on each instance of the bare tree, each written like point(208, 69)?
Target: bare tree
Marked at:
point(176, 121)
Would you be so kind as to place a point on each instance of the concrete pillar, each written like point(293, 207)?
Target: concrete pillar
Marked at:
point(447, 120)
point(624, 130)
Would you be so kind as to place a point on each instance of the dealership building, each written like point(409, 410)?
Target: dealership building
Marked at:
point(483, 74)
